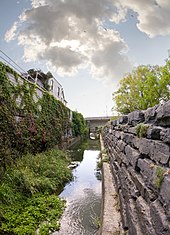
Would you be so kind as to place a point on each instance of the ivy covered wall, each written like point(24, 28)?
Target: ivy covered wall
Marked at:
point(30, 120)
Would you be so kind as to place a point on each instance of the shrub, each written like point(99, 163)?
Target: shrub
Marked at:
point(26, 203)
point(141, 130)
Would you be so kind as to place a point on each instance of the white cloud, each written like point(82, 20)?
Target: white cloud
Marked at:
point(69, 35)
point(11, 33)
point(153, 16)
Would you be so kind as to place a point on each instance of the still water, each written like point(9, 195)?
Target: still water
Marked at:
point(83, 197)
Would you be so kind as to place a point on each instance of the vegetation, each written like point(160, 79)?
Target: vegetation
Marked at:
point(79, 126)
point(30, 122)
point(141, 130)
point(27, 199)
point(159, 176)
point(145, 87)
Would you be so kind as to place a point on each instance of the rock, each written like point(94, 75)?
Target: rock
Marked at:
point(127, 138)
point(145, 146)
point(145, 192)
point(150, 114)
point(123, 210)
point(146, 170)
point(135, 117)
point(159, 220)
point(163, 114)
point(160, 153)
point(132, 155)
point(123, 119)
point(145, 221)
point(165, 194)
point(153, 132)
point(165, 135)
point(114, 122)
point(133, 221)
point(121, 145)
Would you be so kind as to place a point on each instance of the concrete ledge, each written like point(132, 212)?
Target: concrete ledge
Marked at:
point(110, 202)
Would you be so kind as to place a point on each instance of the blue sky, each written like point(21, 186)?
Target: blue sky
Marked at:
point(87, 45)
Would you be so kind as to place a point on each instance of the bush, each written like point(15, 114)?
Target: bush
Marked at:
point(25, 193)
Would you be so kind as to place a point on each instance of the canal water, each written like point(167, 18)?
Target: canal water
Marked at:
point(83, 194)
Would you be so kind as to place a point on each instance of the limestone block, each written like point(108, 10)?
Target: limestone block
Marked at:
point(159, 220)
point(121, 145)
point(160, 153)
point(145, 192)
point(128, 187)
point(136, 142)
point(150, 114)
point(165, 135)
point(165, 194)
point(133, 221)
point(123, 119)
point(156, 150)
point(135, 117)
point(123, 210)
point(132, 155)
point(145, 146)
point(143, 212)
point(127, 138)
point(153, 132)
point(131, 130)
point(123, 158)
point(146, 169)
point(163, 114)
point(114, 122)
point(117, 134)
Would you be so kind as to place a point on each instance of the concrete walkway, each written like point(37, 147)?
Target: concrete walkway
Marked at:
point(110, 205)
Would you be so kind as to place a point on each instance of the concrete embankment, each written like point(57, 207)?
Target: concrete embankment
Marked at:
point(110, 215)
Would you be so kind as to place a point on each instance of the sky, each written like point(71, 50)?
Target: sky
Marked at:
point(88, 45)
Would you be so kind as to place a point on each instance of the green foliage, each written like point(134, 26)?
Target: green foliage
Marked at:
point(26, 203)
point(159, 176)
point(141, 130)
point(39, 212)
point(28, 123)
point(79, 125)
point(145, 87)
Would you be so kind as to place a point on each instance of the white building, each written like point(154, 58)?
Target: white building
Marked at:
point(57, 90)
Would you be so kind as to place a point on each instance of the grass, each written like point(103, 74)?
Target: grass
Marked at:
point(159, 177)
point(141, 130)
point(27, 193)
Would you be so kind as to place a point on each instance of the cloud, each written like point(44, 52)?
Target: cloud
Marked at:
point(11, 33)
point(69, 35)
point(153, 16)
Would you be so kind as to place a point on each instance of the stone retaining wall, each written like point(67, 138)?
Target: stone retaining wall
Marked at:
point(139, 149)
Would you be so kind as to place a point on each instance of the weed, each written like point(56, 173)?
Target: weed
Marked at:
point(159, 177)
point(141, 130)
point(26, 203)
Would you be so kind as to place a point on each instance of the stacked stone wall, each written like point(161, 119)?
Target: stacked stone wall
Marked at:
point(138, 146)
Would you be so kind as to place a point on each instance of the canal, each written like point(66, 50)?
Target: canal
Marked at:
point(83, 193)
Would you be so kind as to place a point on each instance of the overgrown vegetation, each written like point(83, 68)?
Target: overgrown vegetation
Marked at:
point(145, 87)
point(141, 130)
point(31, 120)
point(79, 126)
point(159, 176)
point(27, 199)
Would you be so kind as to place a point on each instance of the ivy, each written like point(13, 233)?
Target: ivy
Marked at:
point(29, 124)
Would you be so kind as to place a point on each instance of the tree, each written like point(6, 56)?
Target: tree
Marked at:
point(145, 87)
point(79, 126)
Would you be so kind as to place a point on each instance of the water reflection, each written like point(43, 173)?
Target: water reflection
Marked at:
point(83, 196)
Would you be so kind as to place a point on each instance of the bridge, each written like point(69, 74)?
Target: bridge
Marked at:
point(94, 123)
